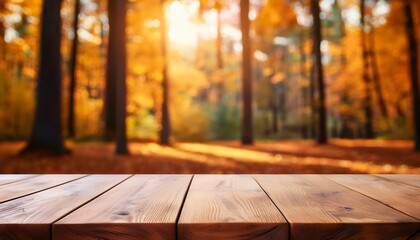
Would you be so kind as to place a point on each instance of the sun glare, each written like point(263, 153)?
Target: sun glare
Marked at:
point(181, 29)
point(185, 28)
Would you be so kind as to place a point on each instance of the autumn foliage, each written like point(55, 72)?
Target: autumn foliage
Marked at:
point(203, 63)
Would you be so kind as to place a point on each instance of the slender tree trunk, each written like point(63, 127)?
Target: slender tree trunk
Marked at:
point(110, 106)
point(72, 71)
point(414, 75)
point(165, 131)
point(274, 112)
point(266, 124)
point(247, 131)
point(319, 74)
point(283, 87)
point(312, 102)
point(304, 87)
point(46, 131)
point(2, 30)
point(219, 54)
point(367, 101)
point(376, 75)
point(116, 71)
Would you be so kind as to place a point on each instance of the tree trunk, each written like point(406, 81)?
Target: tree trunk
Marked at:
point(72, 71)
point(219, 54)
point(304, 87)
point(367, 101)
point(110, 102)
point(412, 51)
point(312, 104)
point(274, 113)
point(2, 29)
point(165, 131)
point(46, 131)
point(116, 73)
point(247, 131)
point(376, 75)
point(319, 74)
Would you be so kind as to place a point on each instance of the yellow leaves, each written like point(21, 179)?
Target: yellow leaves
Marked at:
point(186, 79)
point(183, 127)
point(275, 14)
point(278, 77)
point(142, 125)
point(138, 69)
point(29, 72)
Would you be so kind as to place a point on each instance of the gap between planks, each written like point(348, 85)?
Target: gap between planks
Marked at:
point(36, 189)
point(182, 207)
point(70, 212)
point(333, 178)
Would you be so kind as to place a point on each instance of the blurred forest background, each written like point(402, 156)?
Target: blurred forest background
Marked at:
point(185, 67)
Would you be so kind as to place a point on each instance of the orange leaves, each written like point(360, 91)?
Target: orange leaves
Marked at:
point(275, 14)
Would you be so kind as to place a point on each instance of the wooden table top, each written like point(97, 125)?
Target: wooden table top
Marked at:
point(209, 207)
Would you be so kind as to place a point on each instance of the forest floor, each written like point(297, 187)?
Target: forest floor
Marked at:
point(339, 156)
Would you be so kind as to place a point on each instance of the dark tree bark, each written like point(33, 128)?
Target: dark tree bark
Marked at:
point(116, 73)
point(46, 132)
point(2, 25)
point(2, 30)
point(72, 71)
point(319, 74)
point(247, 130)
point(414, 75)
point(165, 131)
point(367, 101)
point(110, 107)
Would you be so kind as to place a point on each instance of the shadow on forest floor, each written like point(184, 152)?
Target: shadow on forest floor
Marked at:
point(340, 156)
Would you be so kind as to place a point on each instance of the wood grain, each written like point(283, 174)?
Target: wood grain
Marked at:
point(229, 207)
point(318, 208)
point(31, 185)
point(143, 207)
point(30, 217)
point(400, 196)
point(11, 178)
point(410, 179)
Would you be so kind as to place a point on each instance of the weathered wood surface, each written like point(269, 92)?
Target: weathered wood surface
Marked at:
point(410, 179)
point(30, 217)
point(142, 207)
point(213, 207)
point(229, 207)
point(317, 208)
point(400, 196)
point(10, 178)
point(31, 185)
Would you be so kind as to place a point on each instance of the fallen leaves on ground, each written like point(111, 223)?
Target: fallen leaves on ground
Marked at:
point(339, 156)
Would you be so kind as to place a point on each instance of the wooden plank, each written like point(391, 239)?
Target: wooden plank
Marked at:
point(400, 196)
point(229, 207)
point(30, 217)
point(11, 178)
point(317, 208)
point(410, 179)
point(31, 185)
point(143, 207)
